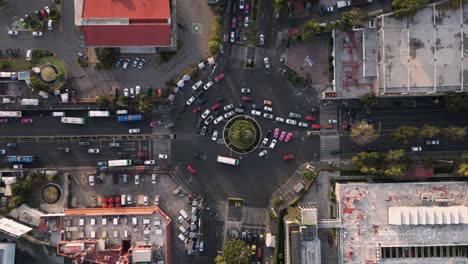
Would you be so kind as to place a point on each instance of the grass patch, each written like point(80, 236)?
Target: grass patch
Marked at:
point(16, 65)
point(55, 61)
point(278, 257)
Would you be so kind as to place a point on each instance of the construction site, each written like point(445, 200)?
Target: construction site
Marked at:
point(403, 222)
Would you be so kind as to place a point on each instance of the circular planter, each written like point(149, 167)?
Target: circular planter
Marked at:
point(242, 134)
point(51, 193)
point(48, 73)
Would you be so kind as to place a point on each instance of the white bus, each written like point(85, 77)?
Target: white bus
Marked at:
point(119, 163)
point(98, 113)
point(227, 160)
point(73, 120)
point(10, 113)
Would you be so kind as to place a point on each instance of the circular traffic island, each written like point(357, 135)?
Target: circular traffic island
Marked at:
point(49, 73)
point(242, 134)
point(51, 193)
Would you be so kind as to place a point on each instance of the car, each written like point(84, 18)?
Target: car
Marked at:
point(162, 156)
point(221, 99)
point(245, 90)
point(279, 119)
point(218, 119)
point(267, 63)
point(288, 137)
point(201, 101)
point(134, 131)
point(206, 113)
point(11, 145)
point(233, 22)
point(37, 33)
point(246, 21)
point(247, 99)
point(17, 166)
point(126, 63)
point(233, 37)
point(93, 151)
point(12, 32)
point(141, 63)
point(149, 162)
point(316, 126)
point(256, 107)
point(313, 110)
point(190, 100)
point(268, 116)
point(215, 106)
point(118, 62)
point(227, 107)
point(214, 137)
point(262, 39)
point(23, 23)
point(2, 152)
point(328, 126)
point(294, 115)
point(268, 134)
point(262, 153)
point(302, 124)
point(219, 77)
point(199, 122)
point(102, 163)
point(309, 118)
point(265, 141)
point(267, 108)
point(132, 92)
point(114, 144)
point(255, 112)
point(135, 62)
point(275, 135)
point(156, 199)
point(142, 154)
point(145, 200)
point(241, 4)
point(326, 9)
point(155, 123)
point(416, 149)
point(137, 89)
point(432, 142)
point(3, 120)
point(137, 179)
point(332, 121)
point(27, 18)
point(273, 143)
point(196, 109)
point(282, 136)
point(126, 94)
point(203, 131)
point(192, 169)
point(199, 156)
point(44, 13)
point(239, 110)
point(291, 122)
point(288, 157)
point(259, 253)
point(26, 120)
point(229, 114)
point(208, 120)
point(208, 85)
point(345, 126)
point(267, 102)
point(197, 85)
point(82, 55)
point(39, 16)
point(129, 199)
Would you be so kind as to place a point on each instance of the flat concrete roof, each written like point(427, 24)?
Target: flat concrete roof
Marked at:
point(363, 210)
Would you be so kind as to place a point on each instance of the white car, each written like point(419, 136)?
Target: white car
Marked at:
point(241, 4)
point(228, 114)
point(416, 149)
point(214, 137)
point(145, 200)
point(246, 21)
point(2, 152)
point(267, 115)
point(267, 108)
point(12, 32)
point(126, 92)
point(162, 156)
point(218, 119)
point(206, 113)
point(50, 24)
point(291, 122)
point(137, 179)
point(37, 33)
point(156, 200)
point(129, 198)
point(137, 89)
point(273, 143)
point(190, 100)
point(28, 54)
point(257, 113)
point(279, 119)
point(18, 166)
point(267, 63)
point(134, 131)
point(197, 85)
point(227, 107)
point(233, 36)
point(245, 90)
point(263, 153)
point(149, 162)
point(208, 120)
point(47, 9)
point(153, 178)
point(95, 151)
point(302, 124)
point(262, 39)
point(265, 141)
point(208, 85)
point(332, 121)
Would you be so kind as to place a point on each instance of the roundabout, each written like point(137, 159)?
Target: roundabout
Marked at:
point(51, 193)
point(242, 134)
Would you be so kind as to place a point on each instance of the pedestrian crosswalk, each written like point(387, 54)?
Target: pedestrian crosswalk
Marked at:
point(329, 138)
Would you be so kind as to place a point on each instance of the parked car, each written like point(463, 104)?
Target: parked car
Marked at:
point(209, 119)
point(267, 108)
point(119, 62)
point(241, 4)
point(126, 63)
point(162, 156)
point(294, 115)
point(291, 122)
point(82, 55)
point(219, 77)
point(102, 163)
point(288, 157)
point(268, 116)
point(310, 118)
point(288, 137)
point(332, 121)
point(208, 85)
point(218, 119)
point(149, 162)
point(247, 99)
point(26, 120)
point(137, 90)
point(135, 62)
point(214, 137)
point(142, 154)
point(2, 152)
point(126, 94)
point(273, 143)
point(233, 22)
point(197, 85)
point(432, 142)
point(229, 114)
point(206, 113)
point(39, 16)
point(262, 153)
point(246, 21)
point(196, 109)
point(12, 32)
point(37, 33)
point(233, 37)
point(93, 151)
point(275, 135)
point(192, 169)
point(201, 101)
point(215, 106)
point(134, 131)
point(267, 102)
point(265, 141)
point(44, 13)
point(328, 126)
point(221, 99)
point(416, 149)
point(155, 123)
point(316, 126)
point(141, 64)
point(326, 9)
point(267, 63)
point(302, 124)
point(255, 112)
point(282, 136)
point(203, 131)
point(245, 90)
point(27, 18)
point(190, 100)
point(279, 119)
point(227, 107)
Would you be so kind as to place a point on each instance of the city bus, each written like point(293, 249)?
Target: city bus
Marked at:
point(119, 163)
point(126, 118)
point(227, 160)
point(98, 113)
point(10, 113)
point(73, 120)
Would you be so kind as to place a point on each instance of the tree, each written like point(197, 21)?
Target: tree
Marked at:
point(293, 214)
point(463, 170)
point(429, 131)
point(144, 103)
point(363, 133)
point(54, 14)
point(455, 133)
point(394, 171)
point(404, 133)
point(2, 2)
point(276, 202)
point(367, 159)
point(309, 29)
point(309, 174)
point(351, 18)
point(124, 100)
point(102, 101)
point(4, 65)
point(405, 8)
point(214, 47)
point(106, 57)
point(456, 102)
point(369, 100)
point(234, 252)
point(395, 156)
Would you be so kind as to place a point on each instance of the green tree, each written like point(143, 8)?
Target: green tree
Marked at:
point(106, 57)
point(309, 174)
point(395, 156)
point(394, 171)
point(369, 100)
point(456, 102)
point(429, 131)
point(144, 103)
point(367, 159)
point(463, 170)
point(293, 214)
point(102, 101)
point(276, 202)
point(455, 133)
point(351, 18)
point(54, 14)
point(234, 252)
point(124, 100)
point(405, 8)
point(2, 2)
point(309, 29)
point(404, 133)
point(214, 46)
point(363, 133)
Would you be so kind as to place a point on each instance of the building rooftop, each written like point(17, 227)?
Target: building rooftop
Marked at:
point(13, 228)
point(131, 9)
point(367, 233)
point(7, 253)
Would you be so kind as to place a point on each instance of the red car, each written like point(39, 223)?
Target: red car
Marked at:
point(310, 118)
point(196, 109)
point(275, 135)
point(345, 126)
point(316, 126)
point(3, 120)
point(219, 77)
point(155, 123)
point(259, 253)
point(117, 205)
point(104, 200)
point(44, 13)
point(104, 205)
point(191, 169)
point(216, 106)
point(247, 98)
point(328, 126)
point(233, 22)
point(288, 137)
point(288, 157)
point(283, 134)
point(26, 120)
point(142, 154)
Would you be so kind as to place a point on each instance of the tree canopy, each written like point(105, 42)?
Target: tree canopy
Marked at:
point(363, 133)
point(405, 8)
point(463, 170)
point(234, 252)
point(404, 133)
point(369, 100)
point(309, 29)
point(429, 131)
point(456, 102)
point(455, 133)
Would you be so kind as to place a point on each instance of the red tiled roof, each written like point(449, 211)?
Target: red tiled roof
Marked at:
point(112, 211)
point(132, 35)
point(132, 9)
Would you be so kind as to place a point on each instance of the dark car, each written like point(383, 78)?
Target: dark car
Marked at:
point(119, 62)
point(330, 239)
point(201, 101)
point(39, 16)
point(210, 129)
point(221, 99)
point(268, 133)
point(27, 18)
point(256, 107)
point(199, 156)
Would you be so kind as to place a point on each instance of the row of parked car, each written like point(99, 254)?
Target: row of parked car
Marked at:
point(136, 63)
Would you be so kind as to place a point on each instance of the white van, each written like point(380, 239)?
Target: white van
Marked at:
point(58, 113)
point(183, 230)
point(122, 112)
point(50, 24)
point(342, 4)
point(182, 238)
point(123, 199)
point(91, 180)
point(184, 214)
point(134, 221)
